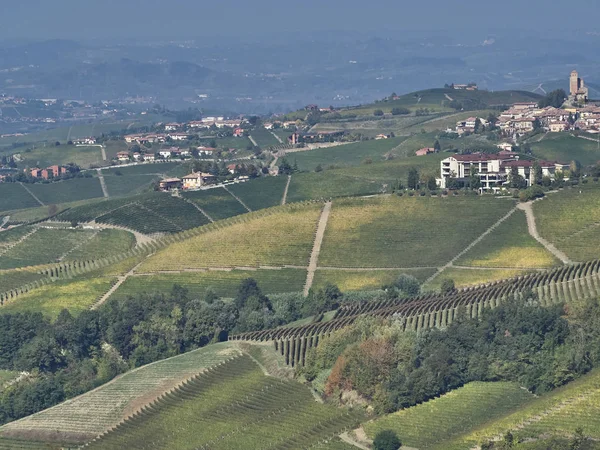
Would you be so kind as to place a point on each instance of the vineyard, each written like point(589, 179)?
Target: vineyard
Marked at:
point(564, 284)
point(356, 280)
point(103, 244)
point(217, 203)
point(14, 196)
point(83, 418)
point(263, 137)
point(67, 191)
point(307, 186)
point(224, 284)
point(275, 237)
point(398, 232)
point(455, 413)
point(509, 246)
point(468, 277)
point(559, 412)
point(260, 193)
point(232, 406)
point(570, 220)
point(148, 213)
point(118, 186)
point(12, 279)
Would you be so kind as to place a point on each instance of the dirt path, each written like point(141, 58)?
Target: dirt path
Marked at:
point(285, 192)
point(277, 137)
point(371, 269)
point(199, 209)
point(102, 183)
point(139, 237)
point(585, 137)
point(448, 97)
point(532, 227)
point(314, 257)
point(470, 246)
point(32, 194)
point(253, 141)
point(348, 440)
point(120, 280)
point(238, 199)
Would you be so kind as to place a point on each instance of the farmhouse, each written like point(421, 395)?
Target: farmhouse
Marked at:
point(123, 156)
point(169, 183)
point(179, 136)
point(84, 141)
point(196, 180)
point(238, 132)
point(425, 151)
point(173, 126)
point(150, 157)
point(165, 153)
point(381, 136)
point(494, 169)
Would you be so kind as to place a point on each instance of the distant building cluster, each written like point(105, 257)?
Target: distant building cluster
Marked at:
point(577, 88)
point(48, 173)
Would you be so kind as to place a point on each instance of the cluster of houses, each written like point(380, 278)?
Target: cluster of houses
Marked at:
point(47, 173)
point(165, 153)
point(85, 141)
point(494, 170)
point(195, 180)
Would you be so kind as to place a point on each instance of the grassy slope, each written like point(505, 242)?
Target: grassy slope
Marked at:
point(460, 411)
point(564, 147)
point(405, 232)
point(283, 237)
point(570, 219)
point(510, 245)
point(90, 414)
point(63, 154)
point(225, 284)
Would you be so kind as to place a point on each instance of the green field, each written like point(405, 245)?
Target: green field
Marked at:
point(50, 300)
point(237, 407)
point(10, 237)
point(103, 244)
point(559, 412)
point(264, 138)
point(460, 411)
point(217, 203)
point(44, 246)
point(509, 245)
point(398, 232)
point(330, 184)
point(284, 236)
point(224, 284)
point(570, 219)
point(12, 279)
point(345, 154)
point(42, 212)
point(14, 196)
point(83, 418)
point(260, 193)
point(565, 148)
point(67, 191)
point(128, 185)
point(238, 143)
point(356, 280)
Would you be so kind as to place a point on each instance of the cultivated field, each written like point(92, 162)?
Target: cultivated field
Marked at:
point(14, 196)
point(12, 279)
point(128, 185)
point(355, 280)
point(398, 232)
point(329, 184)
point(217, 203)
point(46, 156)
point(559, 412)
point(277, 237)
point(472, 277)
point(224, 284)
point(104, 243)
point(345, 155)
point(510, 245)
point(234, 406)
point(570, 219)
point(455, 413)
point(261, 193)
point(565, 148)
point(67, 191)
point(263, 137)
point(84, 417)
point(51, 299)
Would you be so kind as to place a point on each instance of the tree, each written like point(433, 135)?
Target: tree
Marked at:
point(413, 178)
point(555, 98)
point(400, 111)
point(378, 113)
point(436, 146)
point(474, 179)
point(386, 440)
point(537, 173)
point(431, 183)
point(447, 286)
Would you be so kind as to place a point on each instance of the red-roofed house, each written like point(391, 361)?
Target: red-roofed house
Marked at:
point(425, 151)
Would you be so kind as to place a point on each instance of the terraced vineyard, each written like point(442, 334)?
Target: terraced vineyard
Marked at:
point(233, 406)
point(570, 219)
point(217, 203)
point(12, 279)
point(469, 277)
point(559, 412)
point(103, 244)
point(457, 412)
point(83, 418)
point(565, 284)
point(276, 237)
point(260, 193)
point(224, 284)
point(356, 280)
point(396, 232)
point(510, 245)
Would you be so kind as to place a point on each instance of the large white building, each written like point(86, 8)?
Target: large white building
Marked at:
point(494, 169)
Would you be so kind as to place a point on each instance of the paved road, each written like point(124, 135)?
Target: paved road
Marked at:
point(314, 257)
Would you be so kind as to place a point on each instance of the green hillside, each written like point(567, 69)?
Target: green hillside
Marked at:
point(565, 147)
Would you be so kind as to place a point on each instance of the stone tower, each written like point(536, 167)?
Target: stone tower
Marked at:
point(574, 83)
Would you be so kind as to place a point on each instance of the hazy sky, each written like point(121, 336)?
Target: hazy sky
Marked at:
point(189, 18)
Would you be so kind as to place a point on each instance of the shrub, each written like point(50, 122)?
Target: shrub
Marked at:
point(447, 286)
point(386, 440)
point(378, 113)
